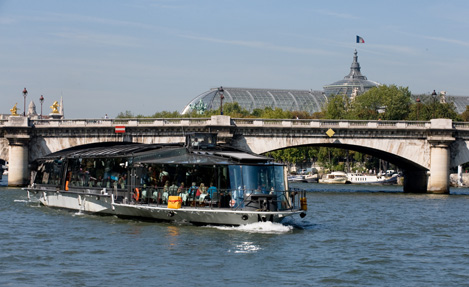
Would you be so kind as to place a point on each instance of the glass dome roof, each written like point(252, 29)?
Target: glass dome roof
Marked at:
point(352, 84)
point(250, 99)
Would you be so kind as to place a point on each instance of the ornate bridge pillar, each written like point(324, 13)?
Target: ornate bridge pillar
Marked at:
point(440, 139)
point(17, 133)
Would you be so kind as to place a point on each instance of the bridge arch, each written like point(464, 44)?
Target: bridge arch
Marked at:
point(406, 154)
point(397, 160)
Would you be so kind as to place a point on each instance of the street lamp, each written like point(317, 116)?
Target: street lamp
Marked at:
point(434, 103)
point(25, 93)
point(418, 107)
point(41, 99)
point(220, 91)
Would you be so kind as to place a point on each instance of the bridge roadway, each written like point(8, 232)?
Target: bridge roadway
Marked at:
point(425, 151)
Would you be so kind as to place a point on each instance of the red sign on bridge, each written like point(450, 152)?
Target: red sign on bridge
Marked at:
point(120, 129)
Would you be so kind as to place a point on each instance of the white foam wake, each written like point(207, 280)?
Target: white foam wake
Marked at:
point(259, 227)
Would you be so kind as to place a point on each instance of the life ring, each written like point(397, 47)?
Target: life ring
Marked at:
point(232, 203)
point(137, 194)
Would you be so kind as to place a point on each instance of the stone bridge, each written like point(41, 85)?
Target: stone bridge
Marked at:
point(425, 151)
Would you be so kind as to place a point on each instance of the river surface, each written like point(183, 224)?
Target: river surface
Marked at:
point(352, 236)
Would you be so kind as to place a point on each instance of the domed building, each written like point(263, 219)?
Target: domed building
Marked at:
point(250, 99)
point(310, 101)
point(353, 84)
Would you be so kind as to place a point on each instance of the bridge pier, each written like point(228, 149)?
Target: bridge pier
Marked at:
point(439, 141)
point(18, 171)
point(439, 168)
point(17, 134)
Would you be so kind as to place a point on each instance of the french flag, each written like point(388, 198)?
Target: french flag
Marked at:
point(360, 39)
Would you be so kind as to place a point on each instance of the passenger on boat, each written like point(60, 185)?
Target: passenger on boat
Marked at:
point(165, 192)
point(164, 176)
point(201, 190)
point(181, 189)
point(193, 190)
point(122, 181)
point(143, 197)
point(201, 193)
point(212, 191)
point(182, 193)
point(154, 196)
point(192, 193)
point(173, 189)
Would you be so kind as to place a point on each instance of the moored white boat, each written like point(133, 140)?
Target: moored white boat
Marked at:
point(296, 178)
point(311, 178)
point(358, 178)
point(334, 177)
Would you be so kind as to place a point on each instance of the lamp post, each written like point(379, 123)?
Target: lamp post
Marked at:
point(41, 99)
point(25, 93)
point(220, 91)
point(434, 103)
point(418, 107)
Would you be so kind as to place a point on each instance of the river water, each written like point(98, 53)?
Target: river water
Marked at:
point(353, 236)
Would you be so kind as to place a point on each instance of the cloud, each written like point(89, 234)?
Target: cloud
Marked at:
point(97, 38)
point(337, 15)
point(447, 40)
point(260, 45)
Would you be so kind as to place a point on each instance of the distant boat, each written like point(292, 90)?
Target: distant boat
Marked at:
point(303, 178)
point(359, 178)
point(311, 178)
point(334, 177)
point(296, 178)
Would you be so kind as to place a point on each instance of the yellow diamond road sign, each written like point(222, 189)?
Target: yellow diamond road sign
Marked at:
point(330, 132)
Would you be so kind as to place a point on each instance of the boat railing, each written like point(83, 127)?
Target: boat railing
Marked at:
point(235, 199)
point(77, 190)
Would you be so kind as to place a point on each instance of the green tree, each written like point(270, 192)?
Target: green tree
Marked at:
point(465, 115)
point(337, 107)
point(126, 114)
point(382, 102)
point(432, 107)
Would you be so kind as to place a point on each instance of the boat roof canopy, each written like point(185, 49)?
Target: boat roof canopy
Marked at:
point(162, 154)
point(100, 150)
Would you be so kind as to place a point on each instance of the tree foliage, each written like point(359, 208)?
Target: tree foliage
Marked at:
point(389, 103)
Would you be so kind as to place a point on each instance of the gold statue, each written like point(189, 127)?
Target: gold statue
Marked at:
point(54, 107)
point(14, 110)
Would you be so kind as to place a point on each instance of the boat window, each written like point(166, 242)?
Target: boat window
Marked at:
point(49, 173)
point(92, 172)
point(257, 178)
point(157, 175)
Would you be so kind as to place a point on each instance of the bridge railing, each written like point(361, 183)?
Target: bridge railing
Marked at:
point(461, 125)
point(331, 123)
point(114, 122)
point(240, 122)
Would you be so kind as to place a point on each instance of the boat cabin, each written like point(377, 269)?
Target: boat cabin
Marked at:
point(199, 171)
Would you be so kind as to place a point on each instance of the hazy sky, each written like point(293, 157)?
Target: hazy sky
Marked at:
point(109, 56)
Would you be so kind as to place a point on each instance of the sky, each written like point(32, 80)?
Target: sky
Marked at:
point(146, 56)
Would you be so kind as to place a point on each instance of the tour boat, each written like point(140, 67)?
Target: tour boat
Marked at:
point(198, 182)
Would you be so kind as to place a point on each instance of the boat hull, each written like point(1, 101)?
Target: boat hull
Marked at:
point(200, 216)
point(104, 205)
point(86, 203)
